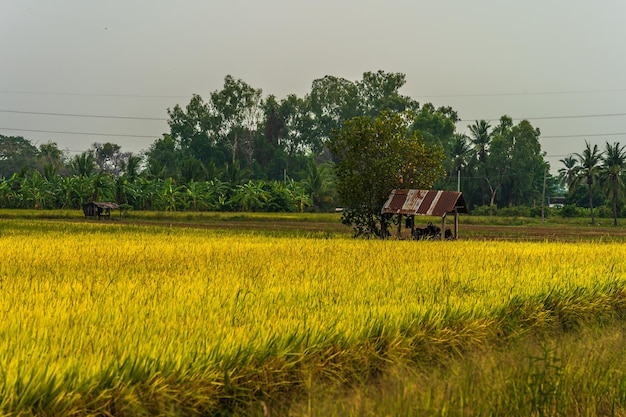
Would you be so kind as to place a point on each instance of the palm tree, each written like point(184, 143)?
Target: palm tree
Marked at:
point(459, 153)
point(131, 167)
point(481, 139)
point(589, 172)
point(318, 184)
point(83, 165)
point(567, 174)
point(52, 158)
point(613, 165)
point(102, 187)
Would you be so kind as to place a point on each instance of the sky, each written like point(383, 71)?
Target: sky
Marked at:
point(557, 63)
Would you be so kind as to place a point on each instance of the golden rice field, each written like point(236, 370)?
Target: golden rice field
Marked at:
point(114, 319)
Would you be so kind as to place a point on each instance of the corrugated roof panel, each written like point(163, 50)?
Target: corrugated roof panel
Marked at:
point(396, 202)
point(103, 204)
point(452, 200)
point(424, 202)
point(432, 208)
point(414, 199)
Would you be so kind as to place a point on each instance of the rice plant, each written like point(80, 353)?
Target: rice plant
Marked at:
point(130, 320)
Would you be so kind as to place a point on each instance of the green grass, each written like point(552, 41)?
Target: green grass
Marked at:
point(577, 373)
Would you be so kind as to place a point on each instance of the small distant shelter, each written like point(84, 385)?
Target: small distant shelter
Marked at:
point(99, 209)
point(411, 203)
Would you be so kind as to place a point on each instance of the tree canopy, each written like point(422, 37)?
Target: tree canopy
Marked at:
point(376, 155)
point(235, 134)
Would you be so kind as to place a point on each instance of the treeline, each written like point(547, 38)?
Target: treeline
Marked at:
point(594, 177)
point(237, 136)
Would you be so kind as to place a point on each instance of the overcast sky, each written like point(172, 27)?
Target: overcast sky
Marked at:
point(558, 63)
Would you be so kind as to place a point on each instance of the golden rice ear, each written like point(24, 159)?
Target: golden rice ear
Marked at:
point(107, 316)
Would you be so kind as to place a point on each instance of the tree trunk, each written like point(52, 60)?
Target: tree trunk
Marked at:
point(235, 144)
point(615, 211)
point(593, 220)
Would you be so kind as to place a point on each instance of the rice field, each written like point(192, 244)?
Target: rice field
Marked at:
point(117, 319)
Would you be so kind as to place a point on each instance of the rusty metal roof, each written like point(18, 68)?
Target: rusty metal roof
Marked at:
point(424, 202)
point(103, 204)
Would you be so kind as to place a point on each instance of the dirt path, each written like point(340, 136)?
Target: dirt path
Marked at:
point(552, 232)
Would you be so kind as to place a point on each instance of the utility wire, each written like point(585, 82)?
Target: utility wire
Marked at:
point(80, 133)
point(147, 136)
point(83, 115)
point(501, 94)
point(578, 116)
point(52, 93)
point(582, 135)
point(537, 93)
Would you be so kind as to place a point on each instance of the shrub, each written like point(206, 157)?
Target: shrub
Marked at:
point(485, 210)
point(570, 210)
point(515, 211)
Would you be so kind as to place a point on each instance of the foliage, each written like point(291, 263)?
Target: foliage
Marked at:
point(17, 155)
point(237, 135)
point(570, 210)
point(611, 175)
point(274, 139)
point(36, 191)
point(595, 176)
point(374, 157)
point(588, 172)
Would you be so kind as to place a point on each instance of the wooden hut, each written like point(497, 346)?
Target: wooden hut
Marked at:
point(411, 203)
point(99, 209)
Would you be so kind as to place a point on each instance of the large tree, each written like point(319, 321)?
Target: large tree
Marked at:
point(380, 91)
point(376, 155)
point(332, 100)
point(239, 113)
point(17, 155)
point(515, 164)
point(193, 133)
point(163, 157)
point(109, 158)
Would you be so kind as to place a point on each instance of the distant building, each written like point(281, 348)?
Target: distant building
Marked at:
point(556, 202)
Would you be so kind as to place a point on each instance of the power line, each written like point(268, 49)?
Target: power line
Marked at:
point(578, 116)
point(83, 115)
point(79, 133)
point(582, 136)
point(537, 93)
point(501, 94)
point(53, 93)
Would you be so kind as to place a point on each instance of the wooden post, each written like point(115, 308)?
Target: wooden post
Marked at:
point(456, 224)
point(383, 226)
point(442, 234)
point(543, 196)
point(399, 225)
